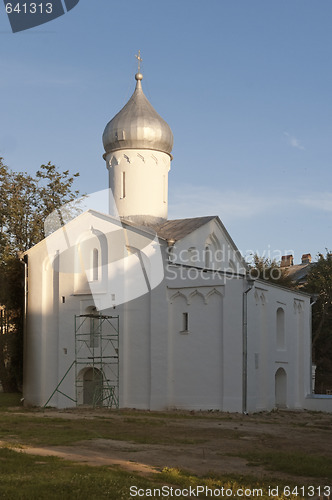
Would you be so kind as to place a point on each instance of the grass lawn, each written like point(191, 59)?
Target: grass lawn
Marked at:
point(34, 477)
point(25, 476)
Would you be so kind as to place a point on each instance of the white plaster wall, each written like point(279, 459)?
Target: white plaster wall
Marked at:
point(205, 367)
point(56, 295)
point(264, 356)
point(50, 326)
point(232, 345)
point(146, 183)
point(159, 393)
point(318, 402)
point(41, 343)
point(33, 340)
point(195, 356)
point(135, 358)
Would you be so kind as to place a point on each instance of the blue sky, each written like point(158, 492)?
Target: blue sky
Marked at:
point(244, 84)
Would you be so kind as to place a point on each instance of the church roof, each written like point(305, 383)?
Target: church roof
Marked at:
point(179, 228)
point(138, 126)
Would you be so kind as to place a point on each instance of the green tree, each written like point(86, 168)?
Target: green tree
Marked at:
point(25, 202)
point(319, 283)
point(21, 209)
point(269, 270)
point(11, 323)
point(54, 191)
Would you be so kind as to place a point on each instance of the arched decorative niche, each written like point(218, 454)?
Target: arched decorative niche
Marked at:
point(90, 261)
point(280, 327)
point(281, 388)
point(178, 295)
point(90, 387)
point(213, 292)
point(196, 293)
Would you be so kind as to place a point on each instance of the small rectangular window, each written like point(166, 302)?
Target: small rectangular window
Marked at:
point(95, 264)
point(185, 323)
point(123, 185)
point(164, 189)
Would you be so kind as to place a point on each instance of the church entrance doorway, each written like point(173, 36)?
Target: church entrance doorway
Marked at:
point(93, 387)
point(281, 388)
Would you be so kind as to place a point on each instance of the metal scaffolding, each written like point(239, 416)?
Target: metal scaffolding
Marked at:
point(96, 361)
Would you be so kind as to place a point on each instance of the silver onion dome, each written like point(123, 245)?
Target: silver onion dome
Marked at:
point(138, 126)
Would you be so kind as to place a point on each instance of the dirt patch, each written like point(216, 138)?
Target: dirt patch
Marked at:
point(219, 440)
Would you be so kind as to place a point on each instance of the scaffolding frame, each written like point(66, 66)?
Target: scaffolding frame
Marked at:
point(97, 347)
point(96, 353)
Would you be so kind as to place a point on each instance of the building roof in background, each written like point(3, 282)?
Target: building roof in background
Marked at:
point(299, 272)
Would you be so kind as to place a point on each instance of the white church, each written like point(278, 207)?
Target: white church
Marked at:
point(126, 308)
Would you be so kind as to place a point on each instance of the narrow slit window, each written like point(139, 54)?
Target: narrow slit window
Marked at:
point(95, 264)
point(185, 322)
point(123, 185)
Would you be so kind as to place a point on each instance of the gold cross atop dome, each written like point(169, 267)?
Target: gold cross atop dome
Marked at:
point(139, 60)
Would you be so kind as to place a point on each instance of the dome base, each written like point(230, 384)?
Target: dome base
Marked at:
point(143, 220)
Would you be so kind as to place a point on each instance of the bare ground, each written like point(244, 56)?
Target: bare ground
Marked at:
point(219, 438)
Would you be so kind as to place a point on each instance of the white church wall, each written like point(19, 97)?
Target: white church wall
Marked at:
point(210, 356)
point(162, 365)
point(143, 342)
point(47, 332)
point(71, 304)
point(270, 361)
point(74, 298)
point(41, 339)
point(232, 345)
point(74, 290)
point(159, 349)
point(195, 349)
point(50, 324)
point(186, 283)
point(135, 360)
point(33, 337)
